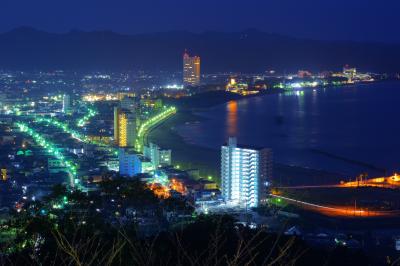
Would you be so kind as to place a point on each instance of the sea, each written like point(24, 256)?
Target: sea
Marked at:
point(348, 130)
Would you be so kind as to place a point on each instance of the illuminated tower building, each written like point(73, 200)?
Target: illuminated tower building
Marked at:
point(124, 128)
point(66, 103)
point(191, 70)
point(246, 173)
point(3, 172)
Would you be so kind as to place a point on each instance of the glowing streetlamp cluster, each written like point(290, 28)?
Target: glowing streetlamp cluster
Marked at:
point(16, 109)
point(51, 149)
point(151, 122)
point(161, 185)
point(66, 129)
point(63, 126)
point(75, 134)
point(90, 113)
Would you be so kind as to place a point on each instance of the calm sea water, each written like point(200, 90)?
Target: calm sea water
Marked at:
point(360, 123)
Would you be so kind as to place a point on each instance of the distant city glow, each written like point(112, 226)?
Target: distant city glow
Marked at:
point(174, 87)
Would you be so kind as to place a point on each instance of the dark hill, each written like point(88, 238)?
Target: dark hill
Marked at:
point(248, 51)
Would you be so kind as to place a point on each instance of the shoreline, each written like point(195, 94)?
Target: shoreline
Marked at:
point(207, 160)
point(185, 155)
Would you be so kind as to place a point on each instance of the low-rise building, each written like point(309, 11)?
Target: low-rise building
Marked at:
point(158, 157)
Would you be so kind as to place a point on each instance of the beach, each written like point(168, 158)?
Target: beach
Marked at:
point(207, 160)
point(185, 155)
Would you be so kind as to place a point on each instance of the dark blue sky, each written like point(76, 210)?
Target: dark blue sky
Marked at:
point(376, 20)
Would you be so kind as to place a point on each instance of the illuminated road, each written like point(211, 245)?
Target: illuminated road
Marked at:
point(383, 182)
point(63, 126)
point(337, 211)
point(308, 187)
point(150, 123)
point(91, 112)
point(74, 133)
point(52, 149)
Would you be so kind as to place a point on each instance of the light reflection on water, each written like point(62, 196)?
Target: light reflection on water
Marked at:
point(358, 122)
point(231, 120)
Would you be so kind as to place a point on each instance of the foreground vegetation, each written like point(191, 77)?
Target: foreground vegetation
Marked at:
point(74, 232)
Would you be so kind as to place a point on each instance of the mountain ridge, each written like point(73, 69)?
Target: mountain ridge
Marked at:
point(246, 51)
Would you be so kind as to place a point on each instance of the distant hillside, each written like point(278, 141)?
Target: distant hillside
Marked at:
point(248, 51)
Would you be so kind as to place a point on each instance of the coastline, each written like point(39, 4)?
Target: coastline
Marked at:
point(207, 160)
point(185, 155)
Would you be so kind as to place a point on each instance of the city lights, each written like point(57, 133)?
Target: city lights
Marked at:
point(90, 113)
point(152, 122)
point(203, 146)
point(63, 126)
point(51, 148)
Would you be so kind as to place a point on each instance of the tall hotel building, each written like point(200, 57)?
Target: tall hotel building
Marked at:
point(246, 173)
point(124, 128)
point(191, 70)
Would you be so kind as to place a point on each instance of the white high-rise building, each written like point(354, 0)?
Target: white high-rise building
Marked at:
point(66, 103)
point(246, 173)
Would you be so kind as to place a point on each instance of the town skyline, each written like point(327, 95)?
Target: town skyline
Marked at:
point(202, 133)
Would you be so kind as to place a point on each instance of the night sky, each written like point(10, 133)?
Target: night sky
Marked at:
point(376, 20)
